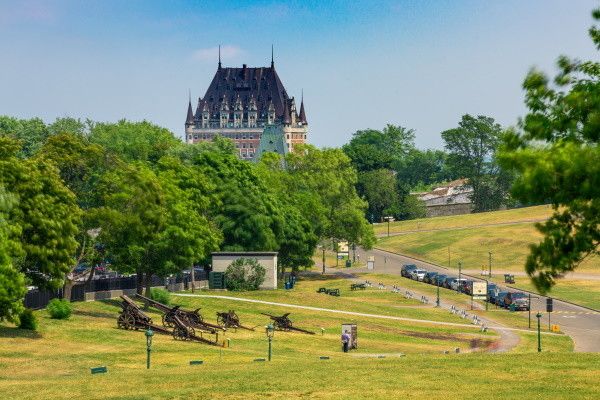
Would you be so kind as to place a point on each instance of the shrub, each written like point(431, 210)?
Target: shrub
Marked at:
point(161, 295)
point(244, 274)
point(27, 320)
point(59, 309)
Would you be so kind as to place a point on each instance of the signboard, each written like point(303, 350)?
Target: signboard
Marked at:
point(342, 248)
point(370, 264)
point(352, 330)
point(549, 305)
point(479, 290)
point(555, 328)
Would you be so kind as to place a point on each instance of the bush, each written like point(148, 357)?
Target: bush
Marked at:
point(59, 309)
point(161, 295)
point(27, 320)
point(244, 274)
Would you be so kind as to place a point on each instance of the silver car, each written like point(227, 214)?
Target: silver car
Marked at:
point(418, 274)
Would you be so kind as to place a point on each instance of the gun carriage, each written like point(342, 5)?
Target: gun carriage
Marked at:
point(230, 320)
point(284, 323)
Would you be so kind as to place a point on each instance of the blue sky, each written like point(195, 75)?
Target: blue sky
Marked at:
point(361, 64)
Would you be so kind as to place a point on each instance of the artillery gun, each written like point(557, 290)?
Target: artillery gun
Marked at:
point(190, 318)
point(283, 323)
point(230, 320)
point(131, 317)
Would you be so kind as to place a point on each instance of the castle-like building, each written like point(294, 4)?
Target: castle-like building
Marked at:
point(240, 103)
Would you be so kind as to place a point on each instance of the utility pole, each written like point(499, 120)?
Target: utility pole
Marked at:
point(490, 265)
point(323, 259)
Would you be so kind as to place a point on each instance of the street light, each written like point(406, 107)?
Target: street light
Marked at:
point(270, 331)
point(437, 300)
point(388, 219)
point(490, 265)
point(539, 315)
point(149, 333)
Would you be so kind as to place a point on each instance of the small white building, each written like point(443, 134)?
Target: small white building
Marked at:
point(268, 259)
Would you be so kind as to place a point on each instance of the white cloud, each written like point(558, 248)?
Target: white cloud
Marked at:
point(228, 52)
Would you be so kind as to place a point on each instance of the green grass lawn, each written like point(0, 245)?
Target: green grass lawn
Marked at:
point(460, 221)
point(54, 362)
point(509, 245)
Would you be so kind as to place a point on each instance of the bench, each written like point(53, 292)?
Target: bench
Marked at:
point(509, 278)
point(355, 286)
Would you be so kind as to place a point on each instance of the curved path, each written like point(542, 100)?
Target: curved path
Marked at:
point(578, 322)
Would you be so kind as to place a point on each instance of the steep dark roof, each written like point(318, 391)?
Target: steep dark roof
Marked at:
point(190, 114)
point(302, 113)
point(261, 82)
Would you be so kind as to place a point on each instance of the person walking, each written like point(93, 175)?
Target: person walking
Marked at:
point(345, 341)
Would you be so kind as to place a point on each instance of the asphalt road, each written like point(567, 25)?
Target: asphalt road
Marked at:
point(581, 324)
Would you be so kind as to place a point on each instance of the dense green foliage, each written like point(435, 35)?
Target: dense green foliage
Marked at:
point(59, 308)
point(28, 320)
point(472, 154)
point(161, 295)
point(556, 153)
point(244, 274)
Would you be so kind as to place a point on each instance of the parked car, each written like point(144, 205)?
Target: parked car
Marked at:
point(492, 290)
point(447, 281)
point(430, 277)
point(406, 269)
point(439, 279)
point(498, 300)
point(518, 299)
point(467, 287)
point(418, 274)
point(456, 283)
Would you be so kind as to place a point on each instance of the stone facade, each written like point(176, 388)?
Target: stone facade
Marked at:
point(240, 103)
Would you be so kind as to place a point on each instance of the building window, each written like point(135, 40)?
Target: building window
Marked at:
point(251, 146)
point(251, 137)
point(243, 145)
point(288, 136)
point(196, 137)
point(243, 136)
point(189, 136)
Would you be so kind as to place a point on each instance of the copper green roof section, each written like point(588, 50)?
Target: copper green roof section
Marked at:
point(272, 140)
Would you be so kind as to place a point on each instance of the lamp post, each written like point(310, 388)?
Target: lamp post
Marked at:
point(437, 300)
point(388, 219)
point(538, 316)
point(323, 248)
point(490, 264)
point(149, 333)
point(459, 271)
point(270, 331)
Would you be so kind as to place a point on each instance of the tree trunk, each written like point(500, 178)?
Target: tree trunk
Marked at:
point(68, 288)
point(139, 284)
point(148, 285)
point(192, 278)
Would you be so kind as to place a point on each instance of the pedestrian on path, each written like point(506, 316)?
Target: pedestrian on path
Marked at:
point(345, 341)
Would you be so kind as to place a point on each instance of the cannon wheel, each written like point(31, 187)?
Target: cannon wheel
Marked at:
point(221, 320)
point(180, 333)
point(126, 321)
point(166, 321)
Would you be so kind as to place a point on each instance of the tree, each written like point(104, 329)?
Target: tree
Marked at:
point(32, 133)
point(372, 149)
point(323, 183)
point(424, 167)
point(472, 148)
point(135, 141)
point(244, 274)
point(556, 154)
point(379, 188)
point(46, 214)
point(12, 282)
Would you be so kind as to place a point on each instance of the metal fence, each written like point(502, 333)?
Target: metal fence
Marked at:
point(36, 299)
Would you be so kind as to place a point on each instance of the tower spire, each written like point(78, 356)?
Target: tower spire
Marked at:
point(189, 120)
point(302, 112)
point(219, 56)
point(272, 62)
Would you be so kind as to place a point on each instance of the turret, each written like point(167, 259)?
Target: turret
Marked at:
point(190, 114)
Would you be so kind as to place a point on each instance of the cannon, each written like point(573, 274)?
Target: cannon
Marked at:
point(131, 317)
point(230, 320)
point(183, 331)
point(283, 323)
point(191, 318)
